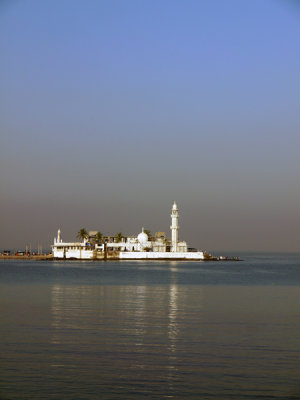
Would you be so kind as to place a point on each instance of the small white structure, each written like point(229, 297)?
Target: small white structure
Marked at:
point(76, 250)
point(130, 248)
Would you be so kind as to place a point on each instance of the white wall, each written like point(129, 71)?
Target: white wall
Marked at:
point(130, 255)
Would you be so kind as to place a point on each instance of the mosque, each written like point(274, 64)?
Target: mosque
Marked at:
point(140, 247)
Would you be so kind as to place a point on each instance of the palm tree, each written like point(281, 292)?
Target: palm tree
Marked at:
point(98, 237)
point(82, 234)
point(148, 233)
point(118, 237)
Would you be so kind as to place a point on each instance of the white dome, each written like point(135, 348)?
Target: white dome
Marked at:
point(142, 237)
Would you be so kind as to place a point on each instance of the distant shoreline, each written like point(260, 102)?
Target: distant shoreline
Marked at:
point(27, 257)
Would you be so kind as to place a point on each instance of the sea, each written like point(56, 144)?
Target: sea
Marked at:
point(110, 330)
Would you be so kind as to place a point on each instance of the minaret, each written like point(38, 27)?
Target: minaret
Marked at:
point(58, 236)
point(174, 227)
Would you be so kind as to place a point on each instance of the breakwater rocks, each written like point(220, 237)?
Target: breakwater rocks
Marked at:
point(210, 257)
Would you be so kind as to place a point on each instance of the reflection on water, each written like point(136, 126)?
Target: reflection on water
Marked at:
point(126, 331)
point(172, 325)
point(139, 330)
point(69, 310)
point(133, 328)
point(136, 313)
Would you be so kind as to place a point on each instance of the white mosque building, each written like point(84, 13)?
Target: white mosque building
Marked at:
point(139, 247)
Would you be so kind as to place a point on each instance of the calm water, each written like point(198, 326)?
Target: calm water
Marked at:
point(150, 330)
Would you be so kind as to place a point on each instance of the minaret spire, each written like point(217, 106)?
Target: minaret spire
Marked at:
point(58, 236)
point(174, 227)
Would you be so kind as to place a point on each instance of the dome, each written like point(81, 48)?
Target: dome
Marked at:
point(142, 237)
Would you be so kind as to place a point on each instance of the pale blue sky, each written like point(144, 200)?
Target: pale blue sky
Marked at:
point(111, 110)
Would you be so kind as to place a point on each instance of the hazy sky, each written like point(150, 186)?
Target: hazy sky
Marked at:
point(111, 110)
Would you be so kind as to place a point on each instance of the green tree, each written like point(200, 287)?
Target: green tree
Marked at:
point(166, 240)
point(118, 237)
point(82, 234)
point(148, 233)
point(98, 237)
